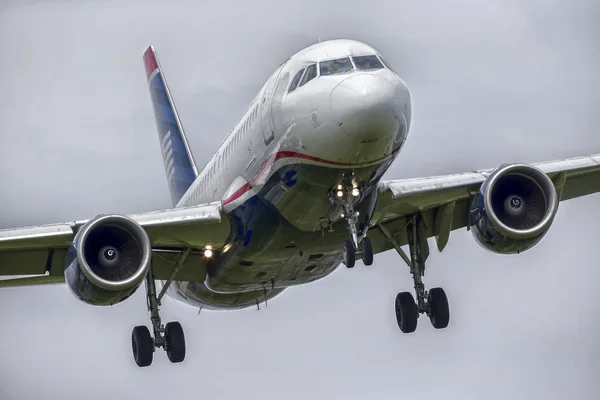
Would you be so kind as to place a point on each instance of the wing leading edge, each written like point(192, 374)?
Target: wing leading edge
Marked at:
point(40, 251)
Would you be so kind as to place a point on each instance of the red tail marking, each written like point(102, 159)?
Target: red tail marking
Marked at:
point(150, 61)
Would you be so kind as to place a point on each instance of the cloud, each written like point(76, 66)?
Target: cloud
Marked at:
point(492, 83)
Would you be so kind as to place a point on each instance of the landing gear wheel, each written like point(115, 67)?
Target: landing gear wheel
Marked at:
point(366, 248)
point(175, 342)
point(142, 345)
point(439, 311)
point(349, 254)
point(406, 312)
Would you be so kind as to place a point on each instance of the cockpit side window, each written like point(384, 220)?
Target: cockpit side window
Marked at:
point(367, 62)
point(339, 66)
point(386, 64)
point(311, 73)
point(295, 81)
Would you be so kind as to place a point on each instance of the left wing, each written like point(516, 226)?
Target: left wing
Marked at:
point(443, 202)
point(39, 252)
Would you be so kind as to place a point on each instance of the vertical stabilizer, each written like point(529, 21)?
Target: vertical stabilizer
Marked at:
point(179, 163)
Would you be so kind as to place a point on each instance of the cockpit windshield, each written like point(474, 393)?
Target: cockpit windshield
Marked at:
point(367, 62)
point(338, 66)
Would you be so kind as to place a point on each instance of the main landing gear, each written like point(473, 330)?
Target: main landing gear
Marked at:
point(433, 303)
point(170, 337)
point(347, 194)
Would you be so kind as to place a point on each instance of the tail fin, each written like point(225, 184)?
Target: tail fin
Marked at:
point(179, 163)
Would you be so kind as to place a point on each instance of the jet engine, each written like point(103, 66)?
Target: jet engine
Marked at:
point(513, 209)
point(108, 260)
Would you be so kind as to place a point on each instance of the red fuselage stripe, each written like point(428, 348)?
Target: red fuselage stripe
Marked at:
point(290, 154)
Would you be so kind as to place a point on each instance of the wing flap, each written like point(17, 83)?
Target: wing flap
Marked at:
point(43, 236)
point(397, 226)
point(31, 266)
point(32, 281)
point(581, 185)
point(193, 269)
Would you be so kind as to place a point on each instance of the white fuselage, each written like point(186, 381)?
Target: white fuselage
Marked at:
point(291, 147)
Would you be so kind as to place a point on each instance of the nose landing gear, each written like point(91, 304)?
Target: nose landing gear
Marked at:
point(347, 195)
point(433, 303)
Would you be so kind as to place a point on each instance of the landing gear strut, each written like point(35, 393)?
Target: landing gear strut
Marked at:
point(170, 337)
point(347, 195)
point(433, 303)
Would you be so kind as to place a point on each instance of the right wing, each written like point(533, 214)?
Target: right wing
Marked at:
point(37, 253)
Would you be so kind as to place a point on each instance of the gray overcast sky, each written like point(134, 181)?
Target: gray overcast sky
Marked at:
point(497, 82)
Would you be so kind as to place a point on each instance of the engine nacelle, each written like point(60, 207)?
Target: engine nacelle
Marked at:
point(514, 209)
point(108, 260)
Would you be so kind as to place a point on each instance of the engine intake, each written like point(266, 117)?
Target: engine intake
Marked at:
point(514, 209)
point(108, 260)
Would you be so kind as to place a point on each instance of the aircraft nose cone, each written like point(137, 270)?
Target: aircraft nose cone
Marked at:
point(367, 112)
point(364, 93)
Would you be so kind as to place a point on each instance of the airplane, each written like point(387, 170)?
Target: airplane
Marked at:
point(295, 190)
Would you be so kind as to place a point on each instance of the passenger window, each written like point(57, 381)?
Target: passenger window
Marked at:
point(367, 62)
point(339, 66)
point(295, 81)
point(311, 73)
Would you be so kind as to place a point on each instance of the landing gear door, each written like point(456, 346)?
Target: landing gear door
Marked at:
point(265, 107)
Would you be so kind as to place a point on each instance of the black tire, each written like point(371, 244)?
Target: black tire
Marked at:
point(142, 345)
point(366, 249)
point(175, 342)
point(349, 254)
point(406, 312)
point(439, 312)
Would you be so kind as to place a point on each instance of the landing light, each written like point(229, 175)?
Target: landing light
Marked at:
point(340, 193)
point(208, 253)
point(355, 192)
point(340, 187)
